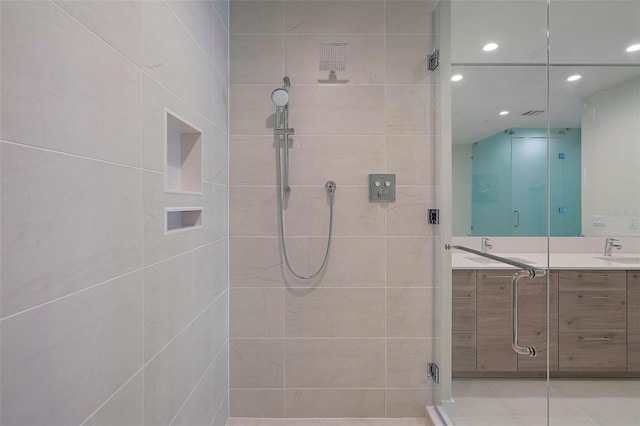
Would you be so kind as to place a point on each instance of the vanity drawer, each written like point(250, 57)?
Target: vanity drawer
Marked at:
point(593, 279)
point(464, 301)
point(463, 351)
point(593, 351)
point(592, 309)
point(633, 321)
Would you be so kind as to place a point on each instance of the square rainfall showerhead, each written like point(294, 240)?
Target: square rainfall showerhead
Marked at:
point(333, 56)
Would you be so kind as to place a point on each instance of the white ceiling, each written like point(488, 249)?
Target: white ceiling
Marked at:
point(581, 32)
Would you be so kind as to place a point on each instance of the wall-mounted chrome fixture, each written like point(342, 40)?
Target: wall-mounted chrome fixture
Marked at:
point(280, 98)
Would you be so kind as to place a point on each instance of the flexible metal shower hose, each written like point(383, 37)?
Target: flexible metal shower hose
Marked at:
point(330, 187)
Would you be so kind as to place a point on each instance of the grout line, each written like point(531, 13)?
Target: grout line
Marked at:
point(433, 338)
point(385, 210)
point(193, 38)
point(205, 309)
point(140, 67)
point(57, 299)
point(206, 370)
point(114, 394)
point(70, 154)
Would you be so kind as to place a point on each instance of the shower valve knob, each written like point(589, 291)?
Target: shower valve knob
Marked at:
point(382, 193)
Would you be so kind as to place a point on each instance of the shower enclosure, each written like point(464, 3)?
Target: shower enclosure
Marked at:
point(543, 102)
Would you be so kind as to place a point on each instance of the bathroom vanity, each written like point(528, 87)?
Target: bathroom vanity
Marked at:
point(594, 316)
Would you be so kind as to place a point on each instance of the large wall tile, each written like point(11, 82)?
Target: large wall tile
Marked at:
point(257, 312)
point(173, 373)
point(337, 363)
point(64, 89)
point(337, 110)
point(407, 402)
point(201, 20)
point(69, 223)
point(406, 362)
point(64, 359)
point(159, 246)
point(257, 59)
point(208, 394)
point(410, 17)
point(410, 261)
point(171, 57)
point(119, 23)
point(257, 17)
point(255, 262)
point(260, 403)
point(222, 415)
point(411, 159)
point(334, 17)
point(408, 110)
point(250, 211)
point(353, 262)
point(408, 215)
point(157, 99)
point(340, 403)
point(334, 312)
point(252, 112)
point(308, 212)
point(365, 59)
point(126, 407)
point(176, 291)
point(406, 59)
point(256, 363)
point(409, 312)
point(313, 159)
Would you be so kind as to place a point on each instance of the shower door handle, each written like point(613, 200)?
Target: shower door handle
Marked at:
point(523, 350)
point(516, 218)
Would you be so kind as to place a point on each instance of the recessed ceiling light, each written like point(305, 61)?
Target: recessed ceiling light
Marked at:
point(574, 77)
point(489, 47)
point(457, 77)
point(633, 48)
point(504, 112)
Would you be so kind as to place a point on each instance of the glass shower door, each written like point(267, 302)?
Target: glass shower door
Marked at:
point(595, 88)
point(498, 83)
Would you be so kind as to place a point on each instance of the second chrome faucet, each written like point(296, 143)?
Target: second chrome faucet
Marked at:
point(485, 246)
point(610, 244)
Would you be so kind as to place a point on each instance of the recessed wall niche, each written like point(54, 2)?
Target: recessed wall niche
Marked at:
point(179, 219)
point(183, 171)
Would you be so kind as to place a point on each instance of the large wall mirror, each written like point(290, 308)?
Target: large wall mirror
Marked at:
point(502, 118)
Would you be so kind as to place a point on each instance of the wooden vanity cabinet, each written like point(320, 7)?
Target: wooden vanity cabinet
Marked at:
point(532, 322)
point(593, 321)
point(494, 352)
point(633, 321)
point(464, 321)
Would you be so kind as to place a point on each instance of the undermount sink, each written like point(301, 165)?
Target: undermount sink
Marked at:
point(487, 260)
point(619, 259)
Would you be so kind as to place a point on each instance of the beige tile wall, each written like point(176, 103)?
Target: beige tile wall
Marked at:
point(355, 342)
point(104, 319)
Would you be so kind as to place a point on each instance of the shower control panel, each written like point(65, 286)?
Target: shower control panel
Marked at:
point(382, 187)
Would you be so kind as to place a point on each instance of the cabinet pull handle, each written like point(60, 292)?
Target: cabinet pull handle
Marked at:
point(595, 339)
point(595, 297)
point(522, 350)
point(516, 219)
point(462, 297)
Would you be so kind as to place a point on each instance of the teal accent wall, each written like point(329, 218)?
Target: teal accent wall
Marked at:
point(509, 183)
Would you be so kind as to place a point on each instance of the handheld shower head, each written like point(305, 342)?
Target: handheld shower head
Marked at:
point(287, 83)
point(280, 97)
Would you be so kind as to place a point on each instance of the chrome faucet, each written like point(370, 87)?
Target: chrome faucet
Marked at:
point(610, 244)
point(485, 246)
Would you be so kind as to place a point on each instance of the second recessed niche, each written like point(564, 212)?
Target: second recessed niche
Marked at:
point(183, 156)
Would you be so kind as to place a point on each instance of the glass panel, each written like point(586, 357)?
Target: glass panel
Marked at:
point(499, 80)
point(595, 89)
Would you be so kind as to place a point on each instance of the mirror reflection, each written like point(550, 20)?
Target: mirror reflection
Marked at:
point(501, 116)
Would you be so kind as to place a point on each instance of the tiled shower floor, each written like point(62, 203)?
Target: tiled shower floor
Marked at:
point(580, 402)
point(326, 422)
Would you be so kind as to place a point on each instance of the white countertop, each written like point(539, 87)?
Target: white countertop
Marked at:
point(463, 260)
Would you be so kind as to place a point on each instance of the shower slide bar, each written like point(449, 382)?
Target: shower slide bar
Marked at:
point(525, 271)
